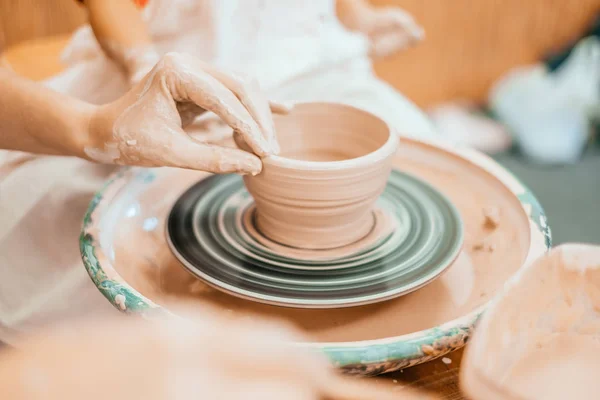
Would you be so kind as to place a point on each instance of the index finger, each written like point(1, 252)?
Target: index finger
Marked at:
point(189, 82)
point(252, 98)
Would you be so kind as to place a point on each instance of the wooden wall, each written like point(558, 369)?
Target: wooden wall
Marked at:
point(29, 19)
point(469, 43)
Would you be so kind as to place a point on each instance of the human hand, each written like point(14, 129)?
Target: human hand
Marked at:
point(145, 126)
point(389, 30)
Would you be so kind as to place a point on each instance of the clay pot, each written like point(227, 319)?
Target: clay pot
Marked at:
point(319, 192)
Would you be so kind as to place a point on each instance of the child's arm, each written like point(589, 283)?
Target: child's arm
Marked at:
point(122, 34)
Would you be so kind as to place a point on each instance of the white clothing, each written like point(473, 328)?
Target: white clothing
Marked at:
point(43, 199)
point(270, 40)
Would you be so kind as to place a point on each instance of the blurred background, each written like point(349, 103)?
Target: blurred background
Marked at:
point(469, 48)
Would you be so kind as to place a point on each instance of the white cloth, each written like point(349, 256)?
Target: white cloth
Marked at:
point(296, 48)
point(271, 40)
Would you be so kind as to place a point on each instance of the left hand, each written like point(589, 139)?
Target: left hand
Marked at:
point(390, 30)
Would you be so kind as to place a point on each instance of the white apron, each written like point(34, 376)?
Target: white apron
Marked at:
point(297, 49)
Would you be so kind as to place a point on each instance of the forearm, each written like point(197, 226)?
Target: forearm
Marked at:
point(38, 120)
point(119, 29)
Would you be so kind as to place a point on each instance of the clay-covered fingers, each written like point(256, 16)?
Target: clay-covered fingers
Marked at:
point(211, 128)
point(276, 108)
point(187, 81)
point(249, 93)
point(184, 152)
point(251, 96)
point(239, 142)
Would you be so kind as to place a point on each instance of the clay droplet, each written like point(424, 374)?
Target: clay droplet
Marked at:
point(427, 349)
point(492, 217)
point(484, 245)
point(120, 301)
point(131, 142)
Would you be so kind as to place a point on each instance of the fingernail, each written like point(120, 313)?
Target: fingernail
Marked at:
point(241, 164)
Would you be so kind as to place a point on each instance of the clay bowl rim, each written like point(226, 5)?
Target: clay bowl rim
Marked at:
point(364, 357)
point(381, 153)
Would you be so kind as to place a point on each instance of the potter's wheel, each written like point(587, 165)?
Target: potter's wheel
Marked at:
point(211, 231)
point(125, 251)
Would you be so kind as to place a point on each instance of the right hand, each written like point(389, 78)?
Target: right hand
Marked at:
point(145, 126)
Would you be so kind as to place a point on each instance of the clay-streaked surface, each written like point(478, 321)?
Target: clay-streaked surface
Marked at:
point(540, 340)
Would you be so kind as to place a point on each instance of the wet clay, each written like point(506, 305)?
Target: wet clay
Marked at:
point(145, 126)
point(383, 225)
point(319, 192)
point(142, 258)
point(542, 337)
